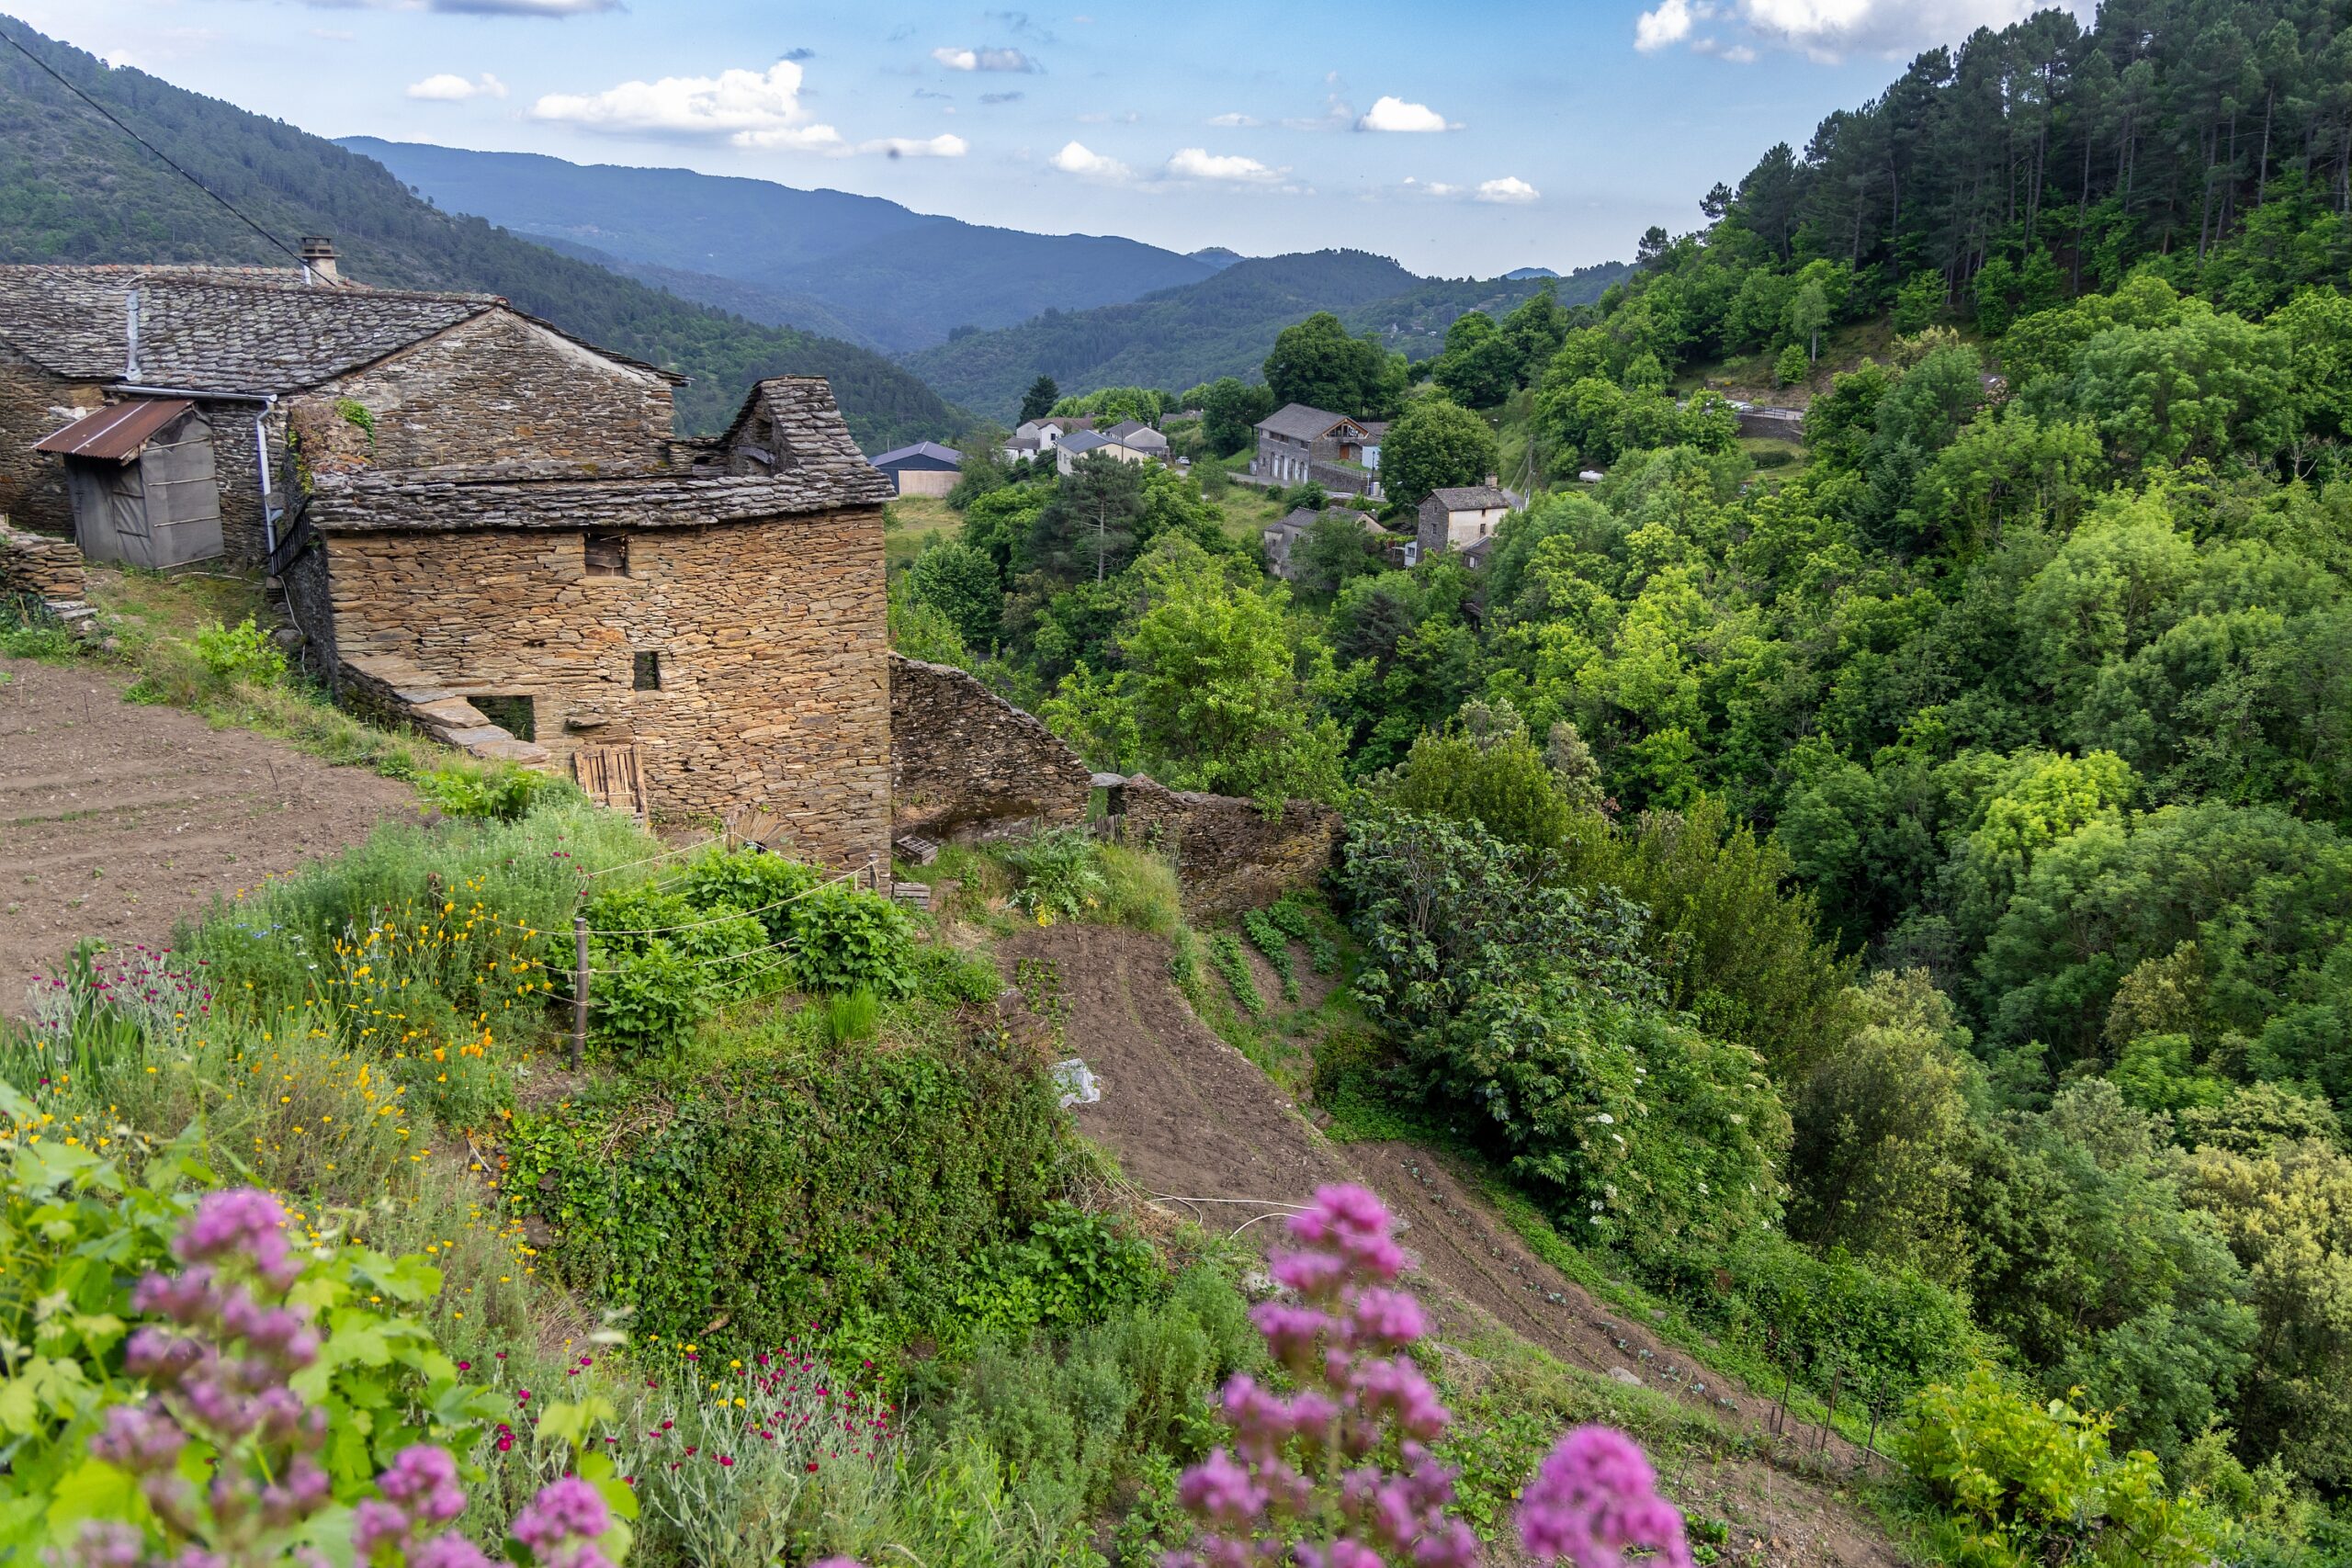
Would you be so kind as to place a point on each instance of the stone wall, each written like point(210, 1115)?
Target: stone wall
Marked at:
point(965, 763)
point(40, 565)
point(769, 636)
point(1229, 856)
point(496, 389)
point(34, 403)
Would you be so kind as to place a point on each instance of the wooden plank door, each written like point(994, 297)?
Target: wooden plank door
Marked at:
point(611, 776)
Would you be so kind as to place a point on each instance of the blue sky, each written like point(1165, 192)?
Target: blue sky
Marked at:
point(1462, 138)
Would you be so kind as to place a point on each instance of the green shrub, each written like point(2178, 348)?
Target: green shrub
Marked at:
point(943, 974)
point(1061, 878)
point(28, 631)
point(501, 791)
point(1071, 1269)
point(662, 963)
point(2022, 1482)
point(766, 886)
point(243, 652)
point(647, 999)
point(1140, 891)
point(845, 939)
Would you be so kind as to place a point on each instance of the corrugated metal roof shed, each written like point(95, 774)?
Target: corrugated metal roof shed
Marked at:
point(116, 432)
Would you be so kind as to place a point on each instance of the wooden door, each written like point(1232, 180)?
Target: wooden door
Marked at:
point(611, 776)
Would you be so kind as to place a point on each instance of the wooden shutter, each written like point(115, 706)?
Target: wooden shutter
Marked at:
point(611, 776)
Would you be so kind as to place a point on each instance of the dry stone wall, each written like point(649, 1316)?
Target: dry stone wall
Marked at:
point(1229, 855)
point(34, 403)
point(40, 565)
point(767, 638)
point(966, 763)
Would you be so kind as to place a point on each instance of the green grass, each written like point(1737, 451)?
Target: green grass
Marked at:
point(911, 523)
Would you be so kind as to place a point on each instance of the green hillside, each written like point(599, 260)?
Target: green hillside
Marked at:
point(897, 278)
point(74, 189)
point(1222, 326)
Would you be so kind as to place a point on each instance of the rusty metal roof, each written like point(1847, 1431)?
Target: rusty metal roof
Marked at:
point(116, 431)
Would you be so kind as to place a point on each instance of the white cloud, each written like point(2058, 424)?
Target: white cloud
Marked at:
point(746, 107)
point(984, 60)
point(943, 146)
point(1429, 188)
point(1235, 121)
point(1395, 114)
point(450, 88)
point(1078, 158)
point(1199, 163)
point(1670, 23)
point(1827, 30)
point(1509, 190)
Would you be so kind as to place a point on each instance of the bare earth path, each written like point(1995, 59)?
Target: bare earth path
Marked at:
point(117, 820)
point(1198, 1126)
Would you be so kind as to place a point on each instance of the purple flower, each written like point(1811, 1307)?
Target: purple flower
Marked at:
point(1595, 1496)
point(423, 1478)
point(563, 1510)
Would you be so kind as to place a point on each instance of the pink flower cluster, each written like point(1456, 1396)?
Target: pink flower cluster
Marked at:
point(1594, 1497)
point(219, 1369)
point(1338, 1473)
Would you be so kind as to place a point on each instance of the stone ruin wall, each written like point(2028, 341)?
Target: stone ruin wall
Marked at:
point(1229, 855)
point(38, 565)
point(964, 763)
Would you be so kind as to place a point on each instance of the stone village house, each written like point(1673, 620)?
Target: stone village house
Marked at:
point(1297, 444)
point(691, 643)
point(239, 358)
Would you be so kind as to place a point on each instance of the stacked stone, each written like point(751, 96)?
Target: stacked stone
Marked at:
point(40, 565)
point(1230, 855)
point(966, 763)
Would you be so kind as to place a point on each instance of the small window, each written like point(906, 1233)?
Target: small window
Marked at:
point(648, 674)
point(512, 715)
point(607, 555)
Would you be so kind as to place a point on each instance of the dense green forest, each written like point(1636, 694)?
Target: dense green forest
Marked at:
point(1898, 901)
point(74, 189)
point(1221, 326)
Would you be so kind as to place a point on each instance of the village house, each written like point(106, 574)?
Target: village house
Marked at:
point(1297, 445)
point(1139, 443)
point(148, 409)
point(924, 469)
point(1453, 519)
point(1281, 537)
point(690, 644)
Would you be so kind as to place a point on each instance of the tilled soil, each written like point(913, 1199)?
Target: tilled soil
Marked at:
point(116, 819)
point(1200, 1129)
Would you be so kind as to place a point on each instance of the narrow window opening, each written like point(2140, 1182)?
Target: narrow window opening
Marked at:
point(514, 715)
point(647, 676)
point(607, 555)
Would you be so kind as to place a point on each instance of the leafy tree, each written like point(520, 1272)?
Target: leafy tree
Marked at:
point(1334, 551)
point(1792, 366)
point(1230, 410)
point(1039, 400)
point(1088, 527)
point(1480, 365)
point(961, 583)
point(1317, 363)
point(1498, 780)
point(1435, 445)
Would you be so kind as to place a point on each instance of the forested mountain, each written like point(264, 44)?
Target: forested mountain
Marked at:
point(74, 189)
point(1182, 337)
point(897, 278)
point(1897, 902)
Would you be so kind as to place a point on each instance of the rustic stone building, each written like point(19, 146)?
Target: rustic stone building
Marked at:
point(719, 636)
point(389, 379)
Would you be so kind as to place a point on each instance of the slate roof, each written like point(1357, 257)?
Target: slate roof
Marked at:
point(222, 329)
point(930, 449)
point(1470, 498)
point(817, 448)
point(1297, 520)
point(1126, 432)
point(1085, 441)
point(1297, 421)
point(453, 500)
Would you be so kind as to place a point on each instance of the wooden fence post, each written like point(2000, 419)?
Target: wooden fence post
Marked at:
point(579, 988)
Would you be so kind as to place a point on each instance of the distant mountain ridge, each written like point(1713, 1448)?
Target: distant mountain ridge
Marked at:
point(1223, 325)
point(74, 189)
point(890, 276)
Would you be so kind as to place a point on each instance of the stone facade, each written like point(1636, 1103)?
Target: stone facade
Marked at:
point(38, 565)
point(33, 402)
point(741, 651)
point(1229, 855)
point(966, 763)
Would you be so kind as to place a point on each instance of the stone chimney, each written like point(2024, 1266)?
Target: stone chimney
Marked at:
point(318, 259)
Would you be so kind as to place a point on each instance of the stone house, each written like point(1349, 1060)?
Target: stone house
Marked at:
point(1451, 519)
point(1281, 537)
point(924, 469)
point(1297, 444)
point(690, 643)
point(392, 378)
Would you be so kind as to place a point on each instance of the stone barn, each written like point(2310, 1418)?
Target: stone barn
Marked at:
point(385, 377)
point(686, 644)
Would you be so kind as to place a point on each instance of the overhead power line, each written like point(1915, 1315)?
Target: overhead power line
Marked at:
point(161, 155)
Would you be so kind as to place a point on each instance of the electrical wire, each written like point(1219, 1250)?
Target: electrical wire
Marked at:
point(160, 154)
